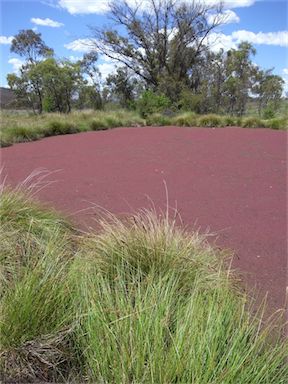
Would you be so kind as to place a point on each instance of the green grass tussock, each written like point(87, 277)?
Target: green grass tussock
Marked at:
point(19, 128)
point(253, 122)
point(158, 119)
point(187, 119)
point(211, 121)
point(60, 128)
point(278, 123)
point(139, 301)
point(26, 127)
point(29, 235)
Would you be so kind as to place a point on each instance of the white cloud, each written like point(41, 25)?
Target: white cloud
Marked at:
point(285, 78)
point(226, 17)
point(106, 69)
point(88, 6)
point(230, 3)
point(74, 59)
point(6, 40)
point(80, 45)
point(16, 64)
point(46, 22)
point(269, 38)
point(102, 6)
point(220, 40)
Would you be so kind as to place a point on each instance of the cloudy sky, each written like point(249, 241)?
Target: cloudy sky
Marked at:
point(64, 27)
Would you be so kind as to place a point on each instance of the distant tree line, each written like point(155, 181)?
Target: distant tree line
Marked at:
point(163, 60)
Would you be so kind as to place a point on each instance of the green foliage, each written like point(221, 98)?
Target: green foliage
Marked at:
point(188, 119)
point(180, 75)
point(158, 119)
point(48, 104)
point(58, 127)
point(277, 123)
point(230, 121)
point(122, 86)
point(29, 44)
point(190, 101)
point(151, 102)
point(27, 128)
point(97, 124)
point(18, 134)
point(140, 295)
point(268, 113)
point(211, 121)
point(253, 122)
point(31, 127)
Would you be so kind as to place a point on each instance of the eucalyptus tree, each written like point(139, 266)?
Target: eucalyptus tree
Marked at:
point(123, 86)
point(239, 73)
point(268, 89)
point(157, 39)
point(29, 45)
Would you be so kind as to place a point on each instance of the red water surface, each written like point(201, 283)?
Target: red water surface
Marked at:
point(230, 180)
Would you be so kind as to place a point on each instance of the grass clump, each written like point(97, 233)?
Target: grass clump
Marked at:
point(139, 301)
point(187, 119)
point(211, 121)
point(26, 127)
point(35, 309)
point(58, 127)
point(253, 122)
point(98, 125)
point(277, 123)
point(158, 119)
point(229, 121)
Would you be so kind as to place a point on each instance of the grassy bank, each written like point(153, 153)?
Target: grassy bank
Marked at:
point(138, 301)
point(26, 127)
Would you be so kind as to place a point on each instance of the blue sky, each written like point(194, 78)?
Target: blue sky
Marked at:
point(64, 26)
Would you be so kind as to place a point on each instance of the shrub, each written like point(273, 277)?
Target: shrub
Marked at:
point(58, 127)
point(268, 113)
point(188, 119)
point(48, 104)
point(140, 300)
point(21, 134)
point(113, 121)
point(277, 123)
point(211, 121)
point(151, 102)
point(158, 119)
point(190, 101)
point(229, 121)
point(253, 122)
point(98, 125)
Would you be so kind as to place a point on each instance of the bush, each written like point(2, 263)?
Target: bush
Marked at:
point(58, 127)
point(229, 121)
point(253, 122)
point(211, 121)
point(139, 301)
point(113, 121)
point(48, 104)
point(268, 113)
point(20, 134)
point(188, 119)
point(158, 119)
point(277, 124)
point(190, 101)
point(98, 125)
point(151, 102)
